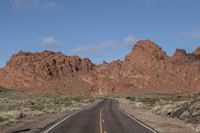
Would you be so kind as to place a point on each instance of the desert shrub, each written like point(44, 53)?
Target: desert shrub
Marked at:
point(175, 98)
point(77, 99)
point(63, 100)
point(91, 100)
point(2, 119)
point(17, 105)
point(169, 98)
point(153, 100)
point(148, 100)
point(66, 101)
point(38, 107)
point(57, 101)
point(131, 98)
point(10, 116)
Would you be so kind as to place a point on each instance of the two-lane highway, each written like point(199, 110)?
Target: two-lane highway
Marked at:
point(105, 117)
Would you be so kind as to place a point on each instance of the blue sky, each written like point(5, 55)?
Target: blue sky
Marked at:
point(98, 29)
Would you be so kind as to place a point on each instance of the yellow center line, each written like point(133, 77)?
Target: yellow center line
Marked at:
point(100, 122)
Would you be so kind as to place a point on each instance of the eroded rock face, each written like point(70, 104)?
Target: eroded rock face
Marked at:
point(146, 69)
point(179, 54)
point(26, 70)
point(197, 51)
point(146, 50)
point(48, 64)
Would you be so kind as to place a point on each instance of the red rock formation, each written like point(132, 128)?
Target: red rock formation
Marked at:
point(146, 69)
point(197, 51)
point(47, 71)
point(179, 54)
point(48, 64)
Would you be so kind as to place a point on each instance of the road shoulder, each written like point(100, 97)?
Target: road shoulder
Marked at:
point(162, 124)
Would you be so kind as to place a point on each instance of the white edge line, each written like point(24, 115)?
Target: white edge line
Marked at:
point(61, 121)
point(136, 119)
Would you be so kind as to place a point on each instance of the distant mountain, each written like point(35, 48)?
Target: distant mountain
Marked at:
point(146, 69)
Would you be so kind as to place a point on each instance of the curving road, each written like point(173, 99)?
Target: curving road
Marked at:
point(105, 117)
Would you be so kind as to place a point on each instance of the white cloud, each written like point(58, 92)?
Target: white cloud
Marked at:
point(100, 49)
point(104, 48)
point(87, 51)
point(35, 5)
point(50, 41)
point(109, 44)
point(192, 35)
point(130, 40)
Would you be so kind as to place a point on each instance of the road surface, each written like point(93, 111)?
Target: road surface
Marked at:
point(105, 117)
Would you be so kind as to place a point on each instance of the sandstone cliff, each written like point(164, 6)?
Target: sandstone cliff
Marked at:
point(146, 69)
point(47, 72)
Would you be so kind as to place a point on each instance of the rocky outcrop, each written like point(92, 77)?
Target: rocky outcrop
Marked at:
point(146, 51)
point(197, 52)
point(48, 64)
point(189, 111)
point(179, 54)
point(48, 71)
point(146, 69)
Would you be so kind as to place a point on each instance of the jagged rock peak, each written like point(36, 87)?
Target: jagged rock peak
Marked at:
point(197, 51)
point(40, 61)
point(146, 44)
point(179, 53)
point(146, 49)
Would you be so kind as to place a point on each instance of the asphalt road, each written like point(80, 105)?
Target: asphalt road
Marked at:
point(105, 117)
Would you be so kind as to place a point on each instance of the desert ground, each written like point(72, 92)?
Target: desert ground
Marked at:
point(34, 112)
point(31, 112)
point(166, 114)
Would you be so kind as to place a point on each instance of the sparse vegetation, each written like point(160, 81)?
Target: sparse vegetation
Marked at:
point(132, 99)
point(77, 99)
point(2, 119)
point(186, 108)
point(150, 101)
point(19, 105)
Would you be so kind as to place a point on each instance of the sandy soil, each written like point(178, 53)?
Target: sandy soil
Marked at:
point(163, 124)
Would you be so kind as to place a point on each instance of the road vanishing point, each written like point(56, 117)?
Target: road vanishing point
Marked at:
point(105, 117)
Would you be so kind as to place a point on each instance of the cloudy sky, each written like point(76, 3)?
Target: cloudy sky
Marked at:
point(98, 29)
